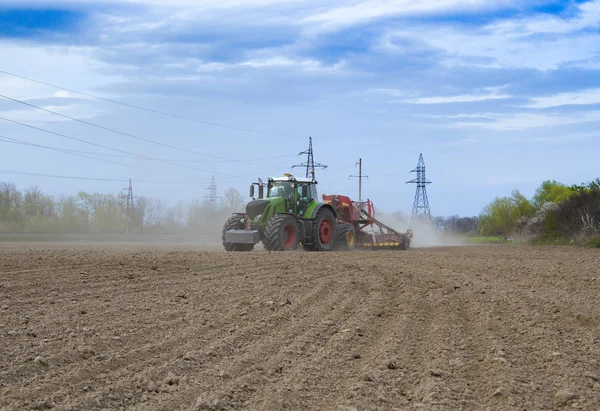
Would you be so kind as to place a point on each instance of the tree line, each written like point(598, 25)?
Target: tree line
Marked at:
point(32, 211)
point(556, 212)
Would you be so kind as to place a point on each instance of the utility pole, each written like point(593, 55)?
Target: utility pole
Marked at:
point(310, 162)
point(421, 203)
point(130, 208)
point(360, 177)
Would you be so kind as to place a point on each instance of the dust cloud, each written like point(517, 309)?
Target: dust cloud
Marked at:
point(424, 234)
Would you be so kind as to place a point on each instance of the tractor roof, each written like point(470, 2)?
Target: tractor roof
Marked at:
point(289, 177)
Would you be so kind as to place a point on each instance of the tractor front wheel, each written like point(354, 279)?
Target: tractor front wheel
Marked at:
point(235, 223)
point(281, 233)
point(346, 237)
point(324, 231)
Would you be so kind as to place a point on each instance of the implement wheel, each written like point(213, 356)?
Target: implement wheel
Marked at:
point(346, 237)
point(235, 223)
point(281, 233)
point(324, 231)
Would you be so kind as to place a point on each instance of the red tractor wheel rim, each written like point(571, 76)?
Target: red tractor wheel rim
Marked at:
point(325, 232)
point(289, 235)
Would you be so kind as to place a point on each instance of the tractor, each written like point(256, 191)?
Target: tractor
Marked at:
point(288, 215)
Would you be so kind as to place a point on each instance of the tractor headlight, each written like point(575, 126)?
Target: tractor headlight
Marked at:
point(257, 218)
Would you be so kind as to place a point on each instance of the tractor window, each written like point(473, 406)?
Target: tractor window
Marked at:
point(299, 192)
point(280, 189)
point(308, 192)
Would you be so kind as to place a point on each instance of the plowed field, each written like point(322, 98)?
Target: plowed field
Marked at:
point(131, 328)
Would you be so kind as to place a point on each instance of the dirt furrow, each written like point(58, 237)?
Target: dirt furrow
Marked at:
point(487, 327)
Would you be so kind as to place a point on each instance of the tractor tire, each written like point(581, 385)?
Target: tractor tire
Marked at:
point(346, 237)
point(281, 233)
point(324, 230)
point(234, 223)
point(266, 245)
point(405, 245)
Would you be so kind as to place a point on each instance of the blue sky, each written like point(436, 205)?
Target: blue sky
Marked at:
point(496, 94)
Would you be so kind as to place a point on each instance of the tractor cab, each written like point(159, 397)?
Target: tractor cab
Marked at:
point(298, 193)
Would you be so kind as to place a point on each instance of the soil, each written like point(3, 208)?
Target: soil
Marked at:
point(139, 328)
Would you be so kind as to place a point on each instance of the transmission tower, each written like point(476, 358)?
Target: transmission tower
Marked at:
point(212, 196)
point(130, 209)
point(360, 177)
point(421, 204)
point(310, 162)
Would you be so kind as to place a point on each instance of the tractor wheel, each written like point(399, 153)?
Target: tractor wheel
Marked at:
point(266, 244)
point(281, 233)
point(346, 237)
point(235, 223)
point(405, 243)
point(324, 230)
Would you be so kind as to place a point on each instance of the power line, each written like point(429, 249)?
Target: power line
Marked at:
point(147, 109)
point(58, 176)
point(15, 141)
point(26, 173)
point(6, 139)
point(112, 130)
point(110, 148)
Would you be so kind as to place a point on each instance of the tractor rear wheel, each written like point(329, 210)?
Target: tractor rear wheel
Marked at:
point(324, 230)
point(281, 233)
point(235, 223)
point(346, 237)
point(405, 245)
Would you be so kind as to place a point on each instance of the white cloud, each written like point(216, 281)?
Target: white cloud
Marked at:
point(213, 4)
point(361, 11)
point(461, 115)
point(587, 16)
point(534, 42)
point(525, 121)
point(199, 4)
point(501, 50)
point(487, 93)
point(584, 97)
point(464, 98)
point(280, 61)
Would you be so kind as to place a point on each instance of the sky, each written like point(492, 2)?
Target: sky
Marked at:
point(496, 94)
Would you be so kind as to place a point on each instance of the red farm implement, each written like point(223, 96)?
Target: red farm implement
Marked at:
point(360, 228)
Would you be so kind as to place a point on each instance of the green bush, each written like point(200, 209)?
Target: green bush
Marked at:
point(594, 242)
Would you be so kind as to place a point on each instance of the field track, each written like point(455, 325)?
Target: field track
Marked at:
point(156, 328)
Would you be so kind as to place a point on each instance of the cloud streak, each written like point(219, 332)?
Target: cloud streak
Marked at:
point(583, 97)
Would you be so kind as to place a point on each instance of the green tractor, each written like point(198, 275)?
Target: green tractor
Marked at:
point(288, 215)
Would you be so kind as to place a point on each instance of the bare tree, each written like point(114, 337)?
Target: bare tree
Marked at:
point(233, 201)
